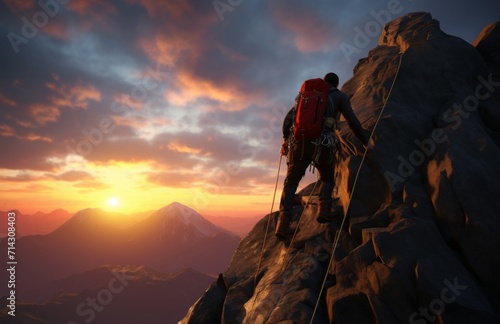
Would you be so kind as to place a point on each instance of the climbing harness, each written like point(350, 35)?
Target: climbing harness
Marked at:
point(337, 237)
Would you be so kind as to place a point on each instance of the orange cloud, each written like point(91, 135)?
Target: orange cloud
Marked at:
point(20, 6)
point(96, 12)
point(178, 147)
point(36, 137)
point(73, 176)
point(7, 131)
point(73, 97)
point(144, 125)
point(21, 176)
point(191, 88)
point(180, 49)
point(85, 93)
point(25, 123)
point(166, 50)
point(57, 29)
point(7, 101)
point(127, 101)
point(44, 114)
point(131, 121)
point(310, 33)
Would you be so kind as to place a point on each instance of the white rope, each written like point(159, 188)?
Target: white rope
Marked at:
point(337, 237)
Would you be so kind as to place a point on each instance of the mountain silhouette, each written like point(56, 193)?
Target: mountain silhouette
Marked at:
point(178, 223)
point(41, 223)
point(420, 244)
point(170, 240)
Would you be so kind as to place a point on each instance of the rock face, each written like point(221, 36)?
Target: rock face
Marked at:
point(420, 244)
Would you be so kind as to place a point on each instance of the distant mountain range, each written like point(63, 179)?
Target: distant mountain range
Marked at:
point(38, 223)
point(113, 294)
point(171, 239)
point(41, 223)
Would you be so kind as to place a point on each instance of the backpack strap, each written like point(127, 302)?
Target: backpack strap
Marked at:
point(331, 120)
point(335, 114)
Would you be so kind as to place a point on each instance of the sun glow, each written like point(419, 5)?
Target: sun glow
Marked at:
point(113, 202)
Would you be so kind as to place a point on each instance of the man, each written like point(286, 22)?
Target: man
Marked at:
point(321, 153)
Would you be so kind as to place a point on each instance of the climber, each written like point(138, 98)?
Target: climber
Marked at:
point(321, 153)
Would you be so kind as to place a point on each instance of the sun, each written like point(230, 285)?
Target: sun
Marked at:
point(113, 202)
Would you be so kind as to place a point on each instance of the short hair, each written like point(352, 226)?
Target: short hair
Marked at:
point(332, 78)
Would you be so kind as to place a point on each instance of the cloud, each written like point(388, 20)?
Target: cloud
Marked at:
point(91, 185)
point(29, 189)
point(189, 89)
point(21, 176)
point(73, 176)
point(222, 83)
point(7, 101)
point(174, 179)
point(73, 96)
point(309, 32)
point(223, 86)
point(20, 6)
point(58, 29)
point(93, 15)
point(178, 147)
point(21, 154)
point(6, 131)
point(44, 114)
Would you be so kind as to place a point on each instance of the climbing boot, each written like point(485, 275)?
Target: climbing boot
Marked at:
point(326, 215)
point(283, 230)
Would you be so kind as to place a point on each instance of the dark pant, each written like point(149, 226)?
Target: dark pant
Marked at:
point(301, 157)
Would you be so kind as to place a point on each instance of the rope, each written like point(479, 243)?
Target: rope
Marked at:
point(337, 237)
point(267, 227)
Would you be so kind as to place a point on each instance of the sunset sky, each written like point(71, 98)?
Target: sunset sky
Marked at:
point(148, 102)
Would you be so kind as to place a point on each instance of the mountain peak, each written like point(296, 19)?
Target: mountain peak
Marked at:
point(38, 214)
point(177, 221)
point(87, 213)
point(88, 219)
point(409, 29)
point(181, 212)
point(59, 211)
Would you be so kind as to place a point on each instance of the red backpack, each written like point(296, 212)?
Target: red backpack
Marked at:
point(310, 109)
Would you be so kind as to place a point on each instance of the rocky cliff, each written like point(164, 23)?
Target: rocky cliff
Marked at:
point(420, 244)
